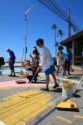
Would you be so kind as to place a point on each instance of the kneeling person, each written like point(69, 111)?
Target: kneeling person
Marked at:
point(31, 71)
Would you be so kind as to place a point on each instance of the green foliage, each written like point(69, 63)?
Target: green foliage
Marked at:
point(54, 26)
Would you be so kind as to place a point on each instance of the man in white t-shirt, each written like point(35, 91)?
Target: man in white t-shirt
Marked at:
point(46, 61)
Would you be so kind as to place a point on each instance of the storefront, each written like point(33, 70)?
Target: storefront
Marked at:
point(76, 43)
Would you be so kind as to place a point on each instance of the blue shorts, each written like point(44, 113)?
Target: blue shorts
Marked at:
point(50, 70)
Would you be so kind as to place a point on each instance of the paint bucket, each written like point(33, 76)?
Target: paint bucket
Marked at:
point(67, 89)
point(2, 123)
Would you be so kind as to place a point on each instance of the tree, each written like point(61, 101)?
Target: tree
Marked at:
point(60, 33)
point(54, 27)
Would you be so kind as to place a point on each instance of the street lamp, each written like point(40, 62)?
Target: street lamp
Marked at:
point(26, 18)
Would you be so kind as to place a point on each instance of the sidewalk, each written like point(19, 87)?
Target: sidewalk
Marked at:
point(22, 106)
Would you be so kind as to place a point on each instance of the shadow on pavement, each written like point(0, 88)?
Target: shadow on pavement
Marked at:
point(58, 90)
point(77, 96)
point(41, 118)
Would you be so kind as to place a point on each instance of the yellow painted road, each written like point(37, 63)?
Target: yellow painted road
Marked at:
point(22, 107)
point(78, 116)
point(64, 119)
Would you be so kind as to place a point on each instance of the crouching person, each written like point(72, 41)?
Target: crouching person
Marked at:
point(32, 71)
point(46, 61)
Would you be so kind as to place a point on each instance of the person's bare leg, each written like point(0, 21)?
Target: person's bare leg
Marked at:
point(58, 67)
point(55, 82)
point(64, 69)
point(54, 77)
point(47, 81)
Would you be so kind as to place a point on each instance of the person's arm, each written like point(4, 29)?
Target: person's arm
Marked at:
point(32, 56)
point(10, 56)
point(57, 55)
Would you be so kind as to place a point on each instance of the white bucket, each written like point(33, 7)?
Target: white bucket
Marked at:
point(2, 123)
point(67, 89)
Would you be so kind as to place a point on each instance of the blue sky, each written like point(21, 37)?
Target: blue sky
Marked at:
point(12, 24)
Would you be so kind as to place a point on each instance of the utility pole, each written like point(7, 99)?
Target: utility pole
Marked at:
point(69, 24)
point(25, 50)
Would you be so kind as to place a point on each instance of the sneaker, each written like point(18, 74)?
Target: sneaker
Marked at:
point(10, 75)
point(45, 89)
point(56, 85)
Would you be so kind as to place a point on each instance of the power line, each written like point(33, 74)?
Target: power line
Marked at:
point(55, 8)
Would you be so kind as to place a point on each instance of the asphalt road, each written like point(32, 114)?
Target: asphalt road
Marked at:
point(37, 109)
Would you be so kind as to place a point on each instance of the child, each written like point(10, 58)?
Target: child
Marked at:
point(31, 71)
point(60, 59)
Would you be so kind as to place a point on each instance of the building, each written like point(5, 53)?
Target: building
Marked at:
point(76, 43)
